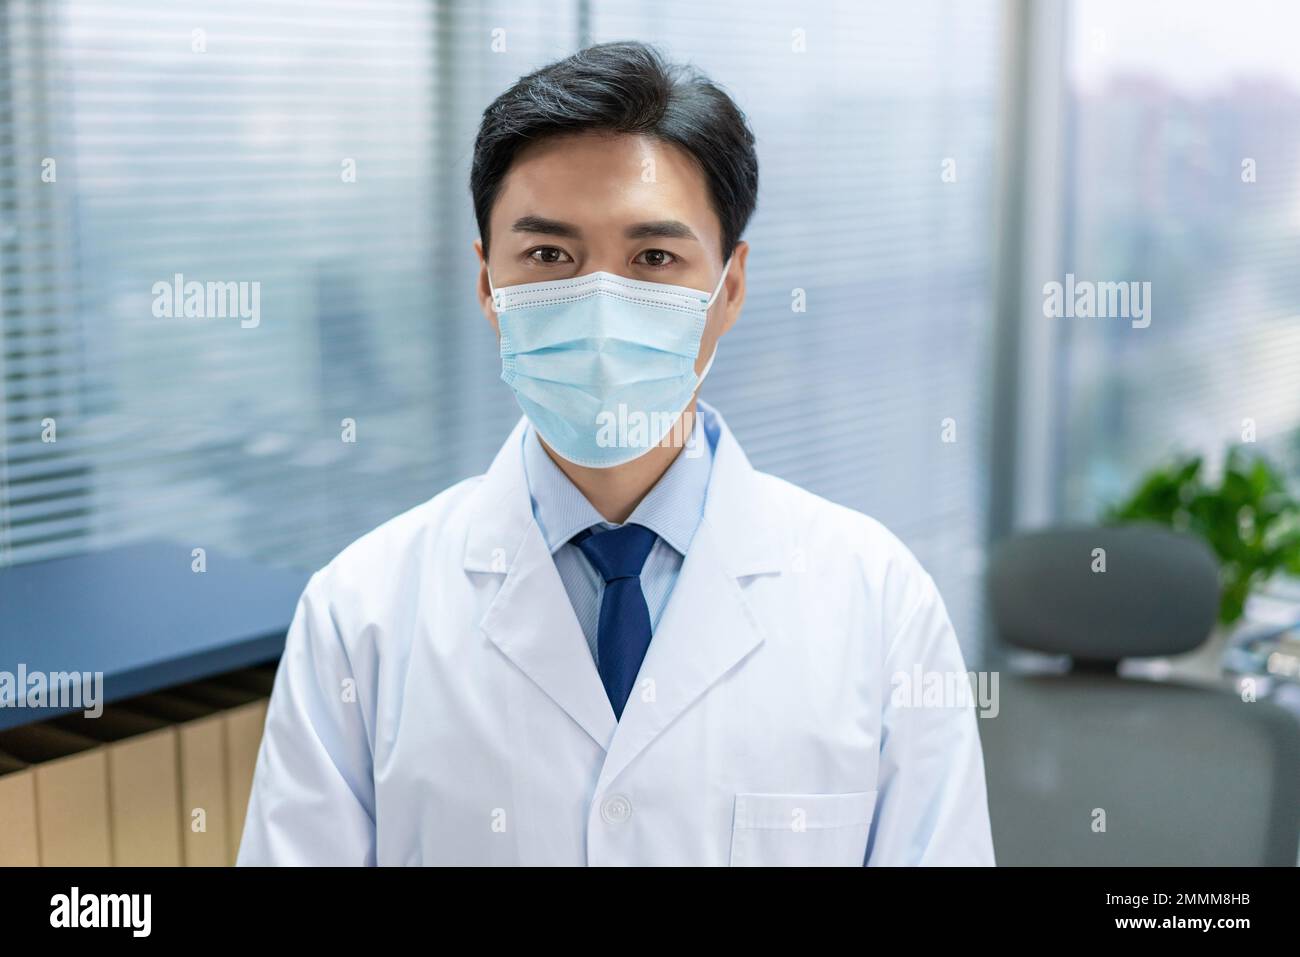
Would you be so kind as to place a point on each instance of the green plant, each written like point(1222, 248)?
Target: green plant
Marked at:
point(1249, 518)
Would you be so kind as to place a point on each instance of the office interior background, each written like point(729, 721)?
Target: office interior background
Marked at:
point(925, 169)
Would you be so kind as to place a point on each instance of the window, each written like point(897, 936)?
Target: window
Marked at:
point(1184, 138)
point(313, 158)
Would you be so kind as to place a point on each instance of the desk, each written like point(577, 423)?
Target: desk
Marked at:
point(142, 617)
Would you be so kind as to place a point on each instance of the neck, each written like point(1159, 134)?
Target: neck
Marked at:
point(615, 492)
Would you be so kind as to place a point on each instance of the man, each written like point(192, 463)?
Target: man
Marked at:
point(622, 645)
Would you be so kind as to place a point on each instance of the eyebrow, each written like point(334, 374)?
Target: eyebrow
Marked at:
point(548, 227)
point(661, 229)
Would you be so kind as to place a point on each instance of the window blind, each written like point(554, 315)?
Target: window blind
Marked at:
point(315, 150)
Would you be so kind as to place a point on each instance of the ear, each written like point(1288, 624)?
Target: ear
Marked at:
point(734, 287)
point(485, 289)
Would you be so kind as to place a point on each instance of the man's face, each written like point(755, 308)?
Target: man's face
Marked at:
point(630, 205)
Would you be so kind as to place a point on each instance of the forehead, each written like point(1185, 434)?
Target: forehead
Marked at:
point(599, 180)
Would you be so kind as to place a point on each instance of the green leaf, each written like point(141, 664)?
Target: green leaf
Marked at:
point(1249, 519)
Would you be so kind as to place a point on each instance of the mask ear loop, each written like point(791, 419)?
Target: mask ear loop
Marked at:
point(492, 290)
point(721, 279)
point(708, 365)
point(717, 289)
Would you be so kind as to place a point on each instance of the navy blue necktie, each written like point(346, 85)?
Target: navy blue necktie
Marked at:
point(623, 634)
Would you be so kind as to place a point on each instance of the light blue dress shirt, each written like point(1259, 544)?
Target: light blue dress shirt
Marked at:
point(671, 509)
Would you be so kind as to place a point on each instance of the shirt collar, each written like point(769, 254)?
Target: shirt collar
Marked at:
point(671, 509)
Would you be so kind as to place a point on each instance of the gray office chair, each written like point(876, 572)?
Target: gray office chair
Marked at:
point(1184, 775)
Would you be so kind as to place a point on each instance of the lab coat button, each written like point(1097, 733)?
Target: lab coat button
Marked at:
point(616, 809)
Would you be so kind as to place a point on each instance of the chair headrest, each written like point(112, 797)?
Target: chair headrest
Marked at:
point(1158, 595)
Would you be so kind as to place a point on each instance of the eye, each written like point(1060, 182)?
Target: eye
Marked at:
point(655, 258)
point(549, 255)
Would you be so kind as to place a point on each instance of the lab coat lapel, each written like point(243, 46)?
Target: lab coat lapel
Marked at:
point(531, 619)
point(708, 628)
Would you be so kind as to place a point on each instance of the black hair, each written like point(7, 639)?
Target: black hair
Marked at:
point(624, 87)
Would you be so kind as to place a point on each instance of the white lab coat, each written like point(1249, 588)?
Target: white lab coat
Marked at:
point(438, 704)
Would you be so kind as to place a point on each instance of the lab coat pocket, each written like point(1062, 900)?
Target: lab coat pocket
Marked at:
point(810, 830)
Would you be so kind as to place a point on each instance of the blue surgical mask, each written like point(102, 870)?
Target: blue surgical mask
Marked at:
point(603, 366)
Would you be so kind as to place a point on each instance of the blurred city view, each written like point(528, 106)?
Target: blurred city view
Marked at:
point(1185, 171)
